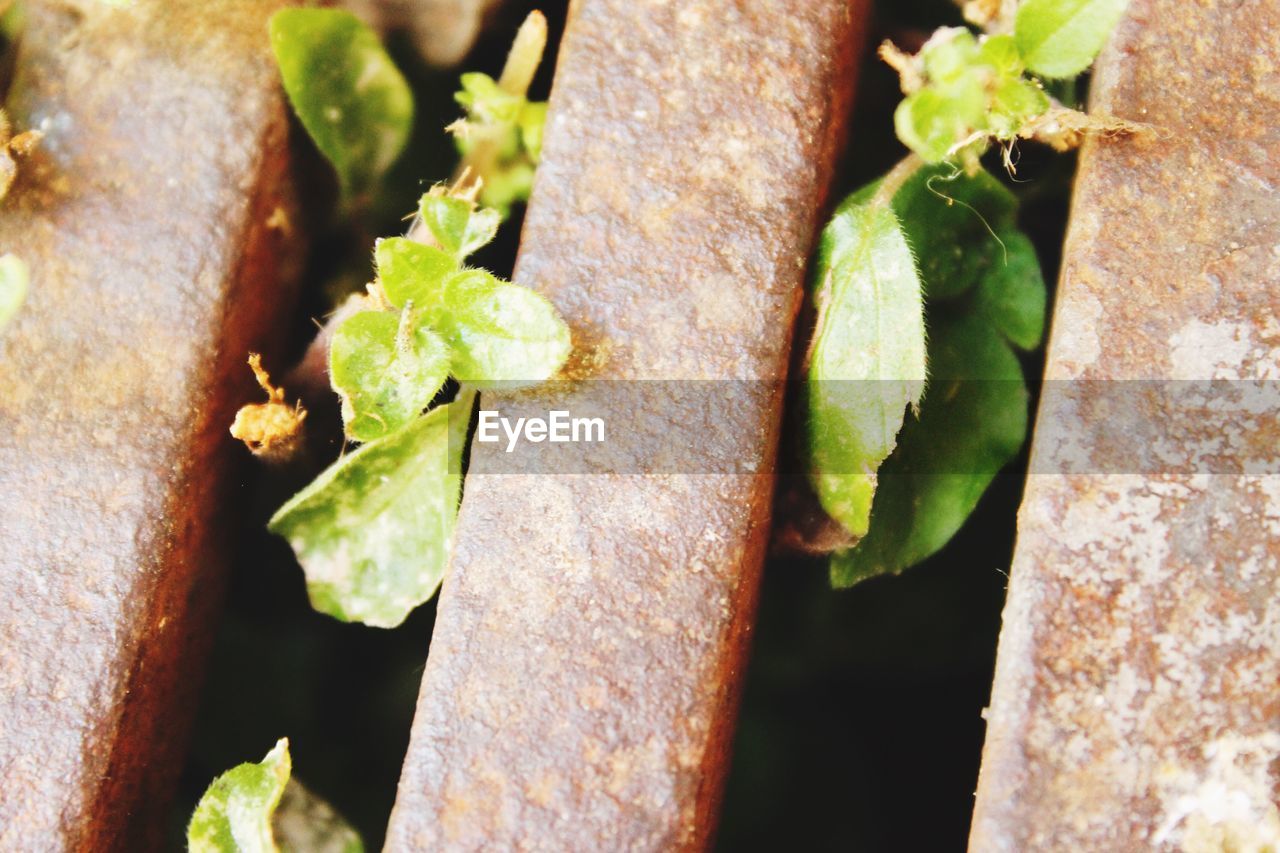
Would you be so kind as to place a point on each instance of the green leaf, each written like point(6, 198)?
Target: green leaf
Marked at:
point(1012, 294)
point(500, 332)
point(387, 369)
point(457, 225)
point(353, 101)
point(867, 363)
point(412, 272)
point(14, 281)
point(533, 118)
point(931, 122)
point(972, 422)
point(1013, 102)
point(1061, 38)
point(234, 815)
point(374, 530)
point(948, 218)
point(485, 101)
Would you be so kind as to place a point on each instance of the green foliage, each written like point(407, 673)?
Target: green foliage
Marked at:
point(14, 281)
point(985, 292)
point(972, 422)
point(234, 815)
point(387, 370)
point(948, 218)
point(500, 138)
point(963, 91)
point(457, 226)
point(1061, 38)
point(867, 362)
point(411, 272)
point(346, 91)
point(373, 531)
point(500, 332)
point(449, 319)
point(970, 91)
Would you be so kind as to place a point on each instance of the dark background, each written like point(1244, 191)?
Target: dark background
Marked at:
point(861, 725)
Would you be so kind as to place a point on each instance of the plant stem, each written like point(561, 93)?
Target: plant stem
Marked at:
point(898, 175)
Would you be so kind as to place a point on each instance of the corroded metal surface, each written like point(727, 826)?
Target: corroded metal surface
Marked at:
point(144, 217)
point(584, 673)
point(1135, 704)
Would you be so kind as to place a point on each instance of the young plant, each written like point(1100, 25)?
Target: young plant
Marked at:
point(258, 808)
point(925, 287)
point(373, 531)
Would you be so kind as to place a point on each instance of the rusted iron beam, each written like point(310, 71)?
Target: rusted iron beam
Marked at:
point(1135, 704)
point(155, 219)
point(583, 678)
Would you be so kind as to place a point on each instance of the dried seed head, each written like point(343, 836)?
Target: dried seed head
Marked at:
point(271, 430)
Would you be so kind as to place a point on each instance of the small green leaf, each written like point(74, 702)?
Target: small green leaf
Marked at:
point(346, 91)
point(972, 422)
point(387, 369)
point(1012, 294)
point(485, 101)
point(374, 530)
point(457, 225)
point(1061, 38)
point(933, 121)
point(946, 215)
point(1014, 101)
point(412, 272)
point(234, 815)
point(867, 363)
point(533, 118)
point(500, 140)
point(500, 332)
point(14, 281)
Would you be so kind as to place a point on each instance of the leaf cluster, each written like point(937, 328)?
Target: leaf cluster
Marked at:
point(963, 90)
point(903, 483)
point(500, 138)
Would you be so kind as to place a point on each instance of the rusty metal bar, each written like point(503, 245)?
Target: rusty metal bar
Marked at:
point(154, 217)
point(1135, 704)
point(583, 678)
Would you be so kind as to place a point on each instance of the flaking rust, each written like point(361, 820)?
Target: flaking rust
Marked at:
point(1136, 702)
point(591, 639)
point(146, 216)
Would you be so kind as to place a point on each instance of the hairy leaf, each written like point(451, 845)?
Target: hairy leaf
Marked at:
point(374, 530)
point(867, 363)
point(387, 370)
point(500, 332)
point(234, 815)
point(969, 91)
point(972, 422)
point(1061, 38)
point(948, 218)
point(457, 225)
point(353, 101)
point(1012, 294)
point(412, 272)
point(14, 281)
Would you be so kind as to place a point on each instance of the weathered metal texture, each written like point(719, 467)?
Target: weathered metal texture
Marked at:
point(149, 219)
point(583, 678)
point(1135, 703)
